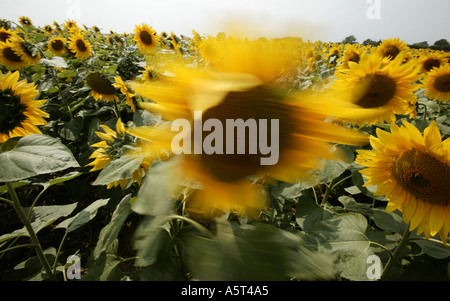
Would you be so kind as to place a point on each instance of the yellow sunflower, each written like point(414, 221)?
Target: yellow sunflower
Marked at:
point(412, 171)
point(382, 90)
point(126, 90)
point(437, 83)
point(352, 53)
point(57, 46)
point(25, 21)
point(27, 52)
point(430, 61)
point(146, 39)
point(112, 147)
point(48, 29)
point(9, 58)
point(150, 73)
point(303, 136)
point(390, 48)
point(80, 46)
point(101, 86)
point(19, 112)
point(5, 34)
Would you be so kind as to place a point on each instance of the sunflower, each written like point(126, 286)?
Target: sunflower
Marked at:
point(352, 53)
point(48, 29)
point(437, 83)
point(390, 48)
point(126, 90)
point(9, 58)
point(25, 21)
point(101, 86)
point(150, 73)
point(223, 95)
point(114, 145)
point(146, 38)
point(5, 34)
point(80, 46)
point(430, 61)
point(382, 90)
point(412, 171)
point(19, 112)
point(27, 52)
point(57, 46)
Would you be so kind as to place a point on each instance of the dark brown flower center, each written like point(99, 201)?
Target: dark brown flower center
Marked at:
point(353, 57)
point(423, 176)
point(81, 46)
point(442, 83)
point(11, 111)
point(430, 64)
point(4, 36)
point(378, 90)
point(57, 45)
point(391, 52)
point(10, 55)
point(254, 105)
point(145, 37)
point(100, 84)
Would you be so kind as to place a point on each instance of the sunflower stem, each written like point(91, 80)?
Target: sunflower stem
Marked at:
point(23, 217)
point(396, 256)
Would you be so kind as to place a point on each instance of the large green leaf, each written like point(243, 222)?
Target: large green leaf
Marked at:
point(82, 217)
point(34, 155)
point(110, 232)
point(41, 217)
point(118, 169)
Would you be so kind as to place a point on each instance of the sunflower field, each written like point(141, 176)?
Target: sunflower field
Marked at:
point(91, 187)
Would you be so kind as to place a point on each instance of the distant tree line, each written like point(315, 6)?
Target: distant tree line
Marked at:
point(441, 44)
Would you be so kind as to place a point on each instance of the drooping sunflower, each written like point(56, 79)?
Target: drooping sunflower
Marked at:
point(390, 48)
point(9, 58)
point(412, 171)
point(19, 111)
point(101, 86)
point(126, 90)
point(146, 39)
point(112, 147)
point(57, 46)
point(25, 21)
point(382, 90)
point(437, 83)
point(303, 137)
point(80, 46)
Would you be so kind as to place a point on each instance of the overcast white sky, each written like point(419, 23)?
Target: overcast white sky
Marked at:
point(326, 20)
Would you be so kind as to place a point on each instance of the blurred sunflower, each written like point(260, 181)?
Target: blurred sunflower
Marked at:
point(146, 39)
point(303, 135)
point(5, 34)
point(150, 73)
point(27, 51)
point(352, 53)
point(101, 86)
point(412, 171)
point(19, 112)
point(437, 83)
point(381, 90)
point(431, 60)
point(116, 144)
point(126, 90)
point(25, 21)
point(9, 58)
point(80, 46)
point(57, 46)
point(48, 29)
point(390, 48)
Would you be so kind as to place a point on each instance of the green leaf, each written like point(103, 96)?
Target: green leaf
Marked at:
point(71, 129)
point(55, 61)
point(82, 217)
point(433, 248)
point(67, 73)
point(34, 155)
point(42, 216)
point(106, 267)
point(389, 221)
point(351, 205)
point(118, 169)
point(308, 213)
point(110, 232)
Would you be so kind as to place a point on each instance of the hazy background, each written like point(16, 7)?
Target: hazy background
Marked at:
point(326, 20)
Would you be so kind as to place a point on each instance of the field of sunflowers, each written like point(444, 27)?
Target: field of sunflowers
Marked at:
point(92, 189)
